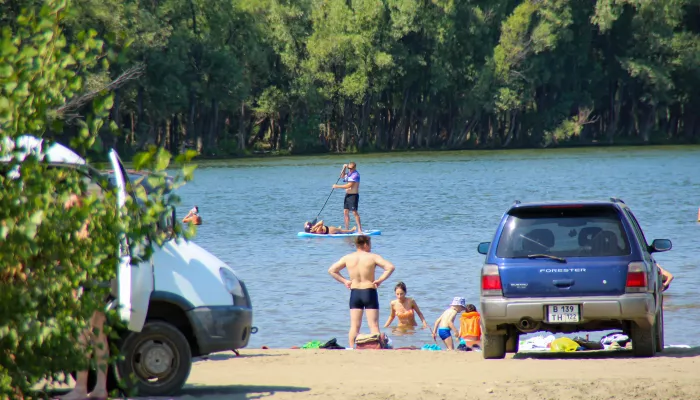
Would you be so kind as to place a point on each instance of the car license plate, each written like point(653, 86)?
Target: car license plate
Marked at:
point(563, 313)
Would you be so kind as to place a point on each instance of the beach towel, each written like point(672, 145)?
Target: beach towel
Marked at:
point(618, 337)
point(470, 325)
point(314, 344)
point(431, 347)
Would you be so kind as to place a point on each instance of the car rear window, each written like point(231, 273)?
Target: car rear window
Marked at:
point(563, 232)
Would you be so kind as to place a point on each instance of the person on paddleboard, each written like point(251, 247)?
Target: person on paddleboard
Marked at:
point(352, 193)
point(320, 229)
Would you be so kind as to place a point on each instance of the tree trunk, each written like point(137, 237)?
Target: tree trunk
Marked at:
point(241, 129)
point(213, 126)
point(175, 135)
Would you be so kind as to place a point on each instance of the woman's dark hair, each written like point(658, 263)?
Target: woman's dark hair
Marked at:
point(470, 308)
point(307, 227)
point(402, 286)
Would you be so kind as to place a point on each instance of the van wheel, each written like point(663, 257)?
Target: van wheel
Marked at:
point(643, 340)
point(157, 360)
point(493, 346)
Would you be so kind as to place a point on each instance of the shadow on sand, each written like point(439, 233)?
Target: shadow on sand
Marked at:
point(230, 392)
point(237, 391)
point(228, 356)
point(672, 352)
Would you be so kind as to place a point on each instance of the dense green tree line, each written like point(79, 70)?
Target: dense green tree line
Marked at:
point(233, 76)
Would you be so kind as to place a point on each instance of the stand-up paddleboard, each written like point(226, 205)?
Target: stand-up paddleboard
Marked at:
point(371, 232)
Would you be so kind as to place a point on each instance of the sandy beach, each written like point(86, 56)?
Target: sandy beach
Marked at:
point(415, 374)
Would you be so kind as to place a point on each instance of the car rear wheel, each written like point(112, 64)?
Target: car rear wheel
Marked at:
point(660, 331)
point(643, 340)
point(513, 341)
point(493, 346)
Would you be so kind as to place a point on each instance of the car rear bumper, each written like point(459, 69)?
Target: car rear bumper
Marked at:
point(221, 328)
point(638, 307)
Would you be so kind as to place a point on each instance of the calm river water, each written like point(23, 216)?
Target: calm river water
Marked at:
point(433, 209)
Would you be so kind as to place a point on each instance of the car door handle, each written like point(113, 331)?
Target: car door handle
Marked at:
point(563, 283)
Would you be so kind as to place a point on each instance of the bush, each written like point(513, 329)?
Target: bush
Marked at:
point(43, 263)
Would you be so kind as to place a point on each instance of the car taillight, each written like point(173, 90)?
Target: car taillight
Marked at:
point(491, 281)
point(636, 278)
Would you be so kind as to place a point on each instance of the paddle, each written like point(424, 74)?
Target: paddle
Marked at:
point(324, 204)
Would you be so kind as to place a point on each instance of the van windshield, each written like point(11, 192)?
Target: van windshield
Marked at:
point(563, 232)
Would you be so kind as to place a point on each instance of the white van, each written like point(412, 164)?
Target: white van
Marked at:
point(183, 303)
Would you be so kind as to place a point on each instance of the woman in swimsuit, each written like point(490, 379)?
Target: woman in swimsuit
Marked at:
point(321, 229)
point(404, 308)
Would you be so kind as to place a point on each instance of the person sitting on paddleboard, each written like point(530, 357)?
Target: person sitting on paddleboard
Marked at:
point(321, 229)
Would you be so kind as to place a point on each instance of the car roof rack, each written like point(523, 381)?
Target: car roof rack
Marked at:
point(616, 200)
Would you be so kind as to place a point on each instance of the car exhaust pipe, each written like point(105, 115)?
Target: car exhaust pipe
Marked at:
point(528, 325)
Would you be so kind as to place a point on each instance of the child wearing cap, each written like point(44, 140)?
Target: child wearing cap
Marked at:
point(445, 324)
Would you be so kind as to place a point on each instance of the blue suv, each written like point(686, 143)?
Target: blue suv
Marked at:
point(571, 267)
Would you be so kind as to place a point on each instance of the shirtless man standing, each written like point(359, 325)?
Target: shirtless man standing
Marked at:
point(352, 193)
point(363, 286)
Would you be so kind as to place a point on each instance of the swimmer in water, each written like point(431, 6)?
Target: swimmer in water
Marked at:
point(405, 309)
point(193, 216)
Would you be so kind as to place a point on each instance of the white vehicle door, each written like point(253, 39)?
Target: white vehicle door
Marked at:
point(134, 282)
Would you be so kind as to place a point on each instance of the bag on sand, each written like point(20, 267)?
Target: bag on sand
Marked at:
point(564, 344)
point(374, 341)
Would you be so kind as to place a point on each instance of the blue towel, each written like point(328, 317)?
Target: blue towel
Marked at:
point(431, 347)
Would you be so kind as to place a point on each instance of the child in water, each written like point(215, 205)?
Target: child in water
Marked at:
point(445, 324)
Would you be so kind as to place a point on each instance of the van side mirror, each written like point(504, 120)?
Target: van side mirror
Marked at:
point(483, 247)
point(660, 245)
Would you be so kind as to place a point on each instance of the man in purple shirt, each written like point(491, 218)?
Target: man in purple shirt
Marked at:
point(352, 193)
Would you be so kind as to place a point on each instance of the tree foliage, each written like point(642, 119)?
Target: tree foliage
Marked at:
point(45, 262)
point(239, 76)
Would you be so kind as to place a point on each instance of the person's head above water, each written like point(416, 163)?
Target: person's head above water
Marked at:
point(352, 165)
point(400, 290)
point(363, 242)
point(307, 226)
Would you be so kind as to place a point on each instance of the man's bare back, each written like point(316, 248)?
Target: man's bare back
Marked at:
point(362, 265)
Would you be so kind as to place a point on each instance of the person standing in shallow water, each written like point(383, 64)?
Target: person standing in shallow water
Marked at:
point(361, 266)
point(405, 309)
point(352, 193)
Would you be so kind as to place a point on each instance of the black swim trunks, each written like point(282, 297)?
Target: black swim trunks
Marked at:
point(351, 201)
point(364, 298)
